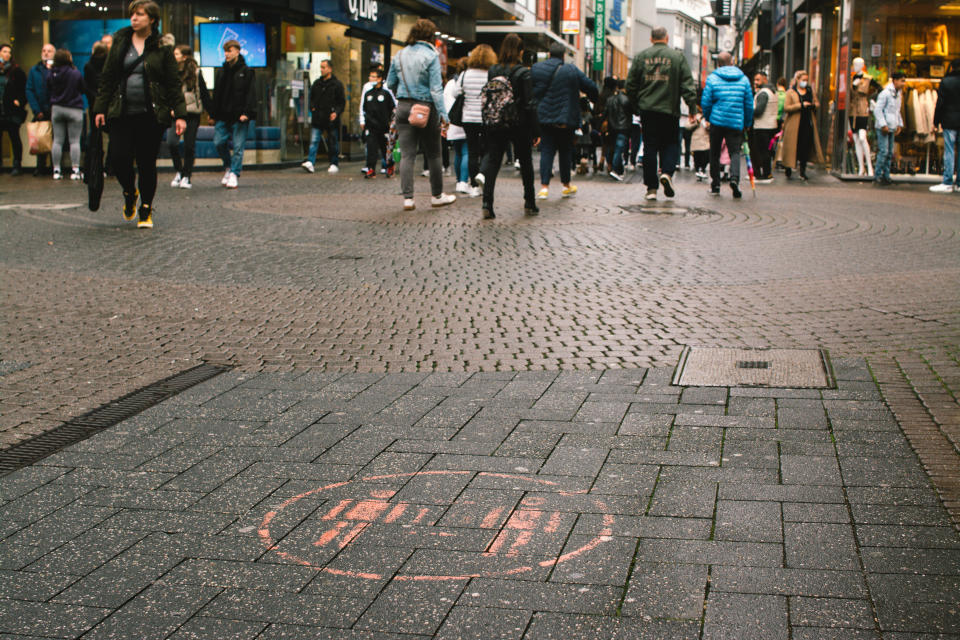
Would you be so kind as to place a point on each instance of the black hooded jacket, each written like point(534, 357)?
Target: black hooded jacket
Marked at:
point(16, 89)
point(947, 113)
point(233, 92)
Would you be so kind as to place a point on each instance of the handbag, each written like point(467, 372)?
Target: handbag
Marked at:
point(40, 135)
point(419, 112)
point(93, 169)
point(455, 115)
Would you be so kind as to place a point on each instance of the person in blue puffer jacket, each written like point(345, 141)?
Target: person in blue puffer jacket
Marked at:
point(727, 104)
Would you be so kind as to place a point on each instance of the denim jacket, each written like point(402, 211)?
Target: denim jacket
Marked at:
point(420, 79)
point(887, 111)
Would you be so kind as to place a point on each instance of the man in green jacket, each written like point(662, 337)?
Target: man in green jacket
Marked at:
point(659, 77)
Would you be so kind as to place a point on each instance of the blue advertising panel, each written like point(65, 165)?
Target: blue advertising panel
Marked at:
point(369, 15)
point(250, 35)
point(79, 36)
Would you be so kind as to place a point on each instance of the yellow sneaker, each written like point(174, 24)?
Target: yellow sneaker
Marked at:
point(542, 194)
point(146, 217)
point(569, 191)
point(130, 205)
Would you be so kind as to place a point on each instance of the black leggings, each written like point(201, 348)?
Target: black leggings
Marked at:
point(136, 138)
point(184, 166)
point(475, 148)
point(497, 144)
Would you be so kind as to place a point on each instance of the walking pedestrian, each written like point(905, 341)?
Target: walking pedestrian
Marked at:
point(781, 98)
point(370, 84)
point(946, 116)
point(617, 115)
point(800, 137)
point(138, 97)
point(378, 107)
point(194, 90)
point(889, 123)
point(415, 79)
point(659, 78)
point(455, 133)
point(727, 104)
point(327, 102)
point(523, 134)
point(13, 101)
point(66, 89)
point(557, 87)
point(233, 106)
point(764, 127)
point(700, 145)
point(92, 71)
point(479, 62)
point(39, 98)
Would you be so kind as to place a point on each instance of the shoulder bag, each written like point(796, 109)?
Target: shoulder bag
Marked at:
point(455, 114)
point(419, 112)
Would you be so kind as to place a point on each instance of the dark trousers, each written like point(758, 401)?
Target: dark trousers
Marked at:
point(497, 144)
point(733, 138)
point(376, 147)
point(136, 138)
point(555, 141)
point(661, 139)
point(12, 130)
point(687, 135)
point(636, 137)
point(700, 160)
point(184, 165)
point(760, 151)
point(475, 148)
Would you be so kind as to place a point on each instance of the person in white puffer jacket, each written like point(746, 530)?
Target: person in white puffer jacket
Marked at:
point(478, 63)
point(455, 133)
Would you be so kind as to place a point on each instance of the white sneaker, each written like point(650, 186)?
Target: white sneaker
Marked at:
point(473, 192)
point(76, 175)
point(232, 181)
point(185, 183)
point(616, 176)
point(425, 173)
point(57, 175)
point(480, 179)
point(226, 177)
point(462, 187)
point(631, 167)
point(516, 165)
point(442, 200)
point(333, 169)
point(383, 171)
point(364, 169)
point(307, 166)
point(942, 188)
point(409, 204)
point(542, 194)
point(176, 181)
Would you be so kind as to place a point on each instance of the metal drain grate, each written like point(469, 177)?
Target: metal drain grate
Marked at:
point(82, 427)
point(781, 368)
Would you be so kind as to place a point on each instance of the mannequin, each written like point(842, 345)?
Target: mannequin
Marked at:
point(862, 85)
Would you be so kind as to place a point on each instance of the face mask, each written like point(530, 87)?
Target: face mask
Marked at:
point(803, 84)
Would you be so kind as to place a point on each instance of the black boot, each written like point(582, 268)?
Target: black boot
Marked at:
point(487, 211)
point(530, 208)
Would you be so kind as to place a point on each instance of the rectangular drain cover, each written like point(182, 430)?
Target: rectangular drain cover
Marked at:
point(785, 368)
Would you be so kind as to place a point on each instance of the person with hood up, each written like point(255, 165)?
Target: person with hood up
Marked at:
point(13, 101)
point(66, 88)
point(327, 102)
point(947, 117)
point(727, 104)
point(38, 96)
point(617, 115)
point(233, 106)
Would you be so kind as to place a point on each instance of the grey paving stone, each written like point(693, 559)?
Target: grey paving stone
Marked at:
point(82, 555)
point(683, 499)
point(782, 493)
point(760, 407)
point(481, 508)
point(142, 480)
point(727, 421)
point(644, 527)
point(250, 575)
point(919, 617)
point(210, 547)
point(831, 612)
point(412, 607)
point(169, 521)
point(48, 618)
point(801, 418)
point(23, 481)
point(820, 633)
point(626, 479)
point(705, 440)
point(763, 454)
point(750, 554)
point(945, 562)
point(118, 580)
point(739, 615)
point(603, 412)
point(37, 587)
point(905, 515)
point(433, 489)
point(644, 424)
point(313, 609)
point(577, 461)
point(808, 512)
point(789, 582)
point(749, 521)
point(572, 626)
point(873, 472)
point(704, 395)
point(895, 587)
point(476, 623)
point(609, 563)
point(808, 470)
point(525, 444)
point(200, 628)
point(819, 546)
point(541, 596)
point(674, 591)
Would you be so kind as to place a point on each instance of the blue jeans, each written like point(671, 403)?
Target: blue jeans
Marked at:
point(619, 147)
point(461, 167)
point(884, 155)
point(555, 141)
point(949, 155)
point(223, 134)
point(332, 136)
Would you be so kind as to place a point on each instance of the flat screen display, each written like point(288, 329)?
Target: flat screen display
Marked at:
point(250, 35)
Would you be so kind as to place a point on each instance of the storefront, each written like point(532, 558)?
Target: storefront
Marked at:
point(917, 38)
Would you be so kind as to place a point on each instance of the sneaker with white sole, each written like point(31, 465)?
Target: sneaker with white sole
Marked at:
point(569, 191)
point(333, 169)
point(651, 194)
point(542, 194)
point(57, 175)
point(442, 200)
point(185, 183)
point(425, 173)
point(667, 183)
point(76, 175)
point(409, 204)
point(307, 166)
point(942, 188)
point(616, 176)
point(473, 192)
point(480, 179)
point(176, 181)
point(226, 177)
point(462, 187)
point(233, 181)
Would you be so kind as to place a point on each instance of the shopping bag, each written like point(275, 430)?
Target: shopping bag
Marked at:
point(93, 168)
point(40, 134)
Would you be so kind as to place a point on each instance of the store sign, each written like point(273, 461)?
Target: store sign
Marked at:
point(369, 15)
point(779, 19)
point(615, 19)
point(571, 17)
point(599, 35)
point(363, 9)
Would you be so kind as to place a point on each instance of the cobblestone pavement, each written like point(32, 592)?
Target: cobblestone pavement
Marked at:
point(780, 514)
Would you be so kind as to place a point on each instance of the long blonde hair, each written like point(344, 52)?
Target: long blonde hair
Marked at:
point(796, 77)
point(482, 57)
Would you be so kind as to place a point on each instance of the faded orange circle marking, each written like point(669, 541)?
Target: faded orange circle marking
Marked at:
point(346, 520)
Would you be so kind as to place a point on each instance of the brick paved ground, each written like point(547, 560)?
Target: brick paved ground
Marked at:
point(704, 512)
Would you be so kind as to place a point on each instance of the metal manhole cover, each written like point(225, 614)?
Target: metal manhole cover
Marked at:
point(721, 367)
